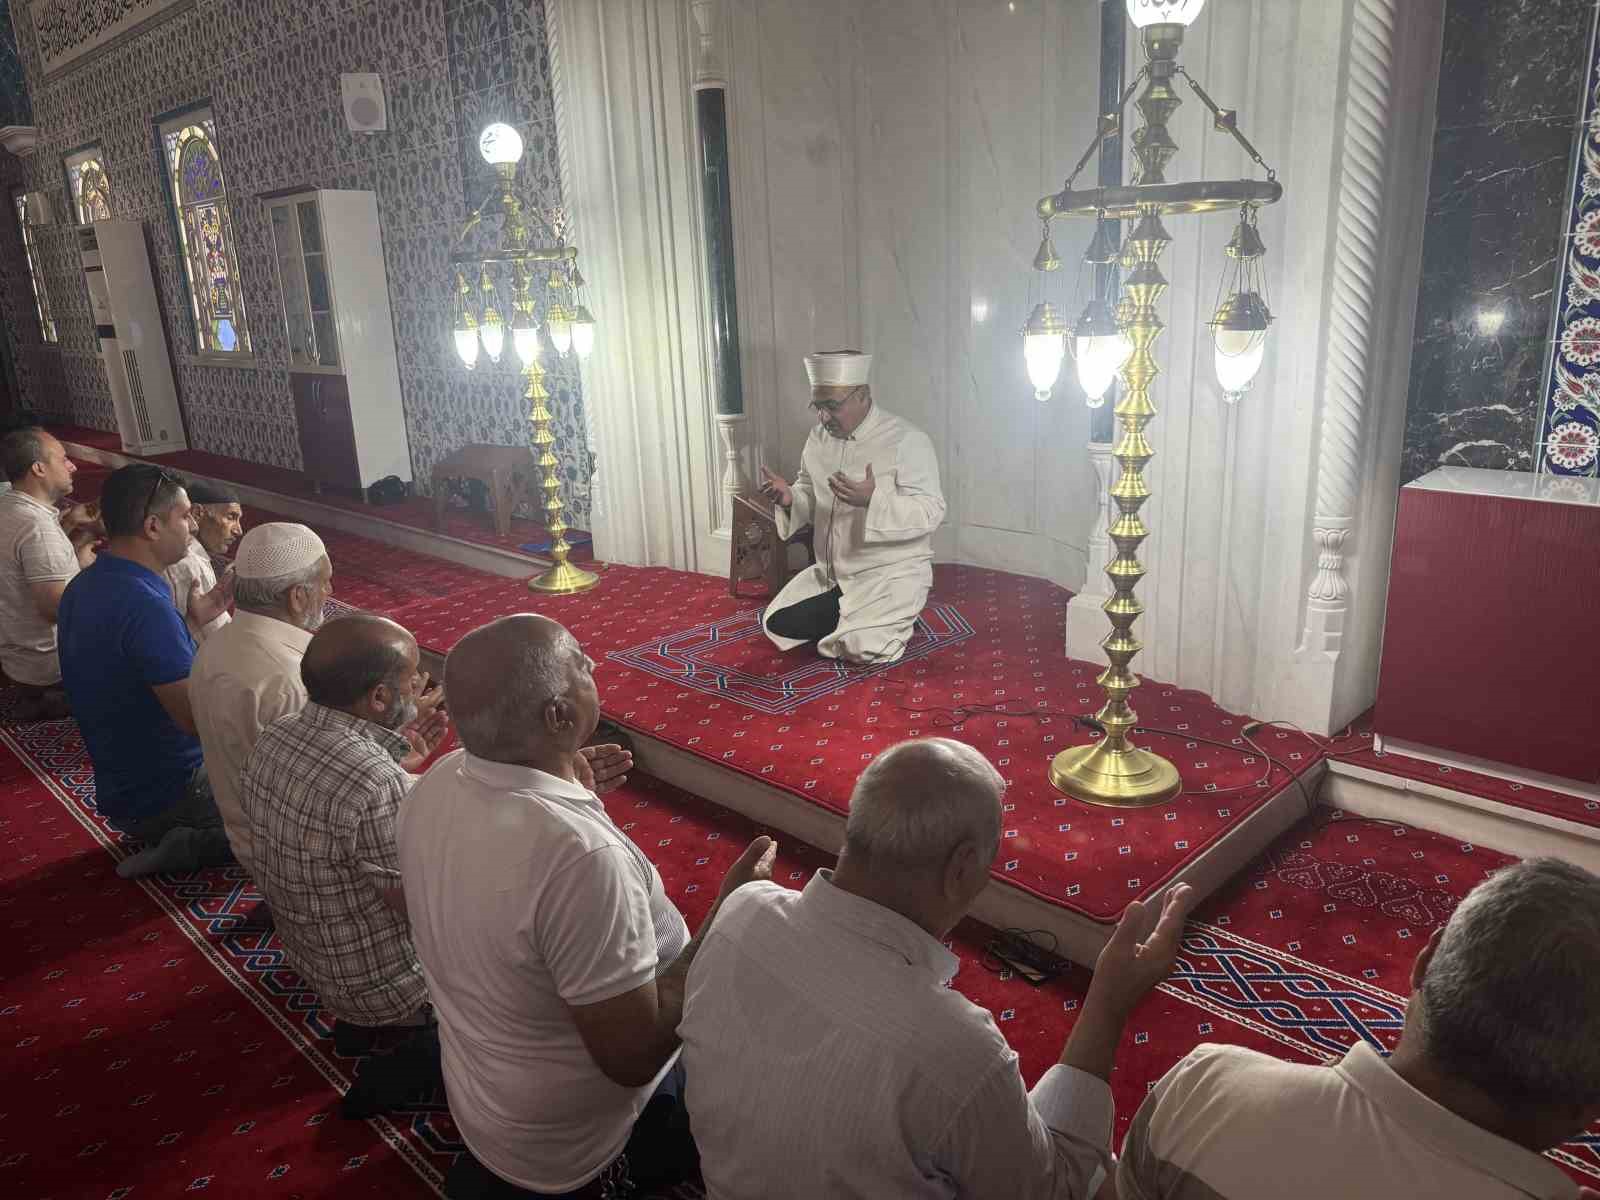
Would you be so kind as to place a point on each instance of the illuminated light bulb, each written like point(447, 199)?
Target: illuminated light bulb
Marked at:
point(583, 332)
point(500, 144)
point(1164, 12)
point(1236, 372)
point(467, 346)
point(560, 326)
point(1099, 358)
point(1239, 331)
point(1044, 345)
point(525, 341)
point(1100, 348)
point(493, 333)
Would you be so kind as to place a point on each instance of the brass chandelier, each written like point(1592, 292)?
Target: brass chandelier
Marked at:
point(494, 288)
point(1110, 339)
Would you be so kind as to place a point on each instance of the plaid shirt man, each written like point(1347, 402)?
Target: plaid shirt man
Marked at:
point(322, 790)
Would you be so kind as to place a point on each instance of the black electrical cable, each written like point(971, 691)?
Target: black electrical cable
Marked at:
point(950, 716)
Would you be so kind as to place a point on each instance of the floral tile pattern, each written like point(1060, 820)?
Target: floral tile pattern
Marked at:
point(1569, 434)
point(270, 71)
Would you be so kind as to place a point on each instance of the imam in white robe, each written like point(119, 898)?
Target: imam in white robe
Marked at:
point(880, 556)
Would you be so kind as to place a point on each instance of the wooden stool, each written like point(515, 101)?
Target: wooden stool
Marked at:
point(758, 552)
point(506, 471)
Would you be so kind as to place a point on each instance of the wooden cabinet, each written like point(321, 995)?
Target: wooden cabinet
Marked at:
point(327, 432)
point(343, 370)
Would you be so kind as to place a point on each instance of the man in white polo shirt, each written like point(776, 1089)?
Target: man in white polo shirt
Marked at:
point(37, 561)
point(1499, 1061)
point(826, 1053)
point(247, 674)
point(554, 959)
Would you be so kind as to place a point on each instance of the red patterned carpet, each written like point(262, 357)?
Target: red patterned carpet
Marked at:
point(157, 1052)
point(681, 660)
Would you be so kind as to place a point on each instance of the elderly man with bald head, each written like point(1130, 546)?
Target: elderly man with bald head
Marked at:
point(826, 1054)
point(554, 958)
point(322, 789)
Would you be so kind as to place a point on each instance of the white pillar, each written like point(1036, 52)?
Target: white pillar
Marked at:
point(729, 427)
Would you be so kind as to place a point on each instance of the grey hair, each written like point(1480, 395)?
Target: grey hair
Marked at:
point(919, 800)
point(1511, 1000)
point(537, 674)
point(266, 594)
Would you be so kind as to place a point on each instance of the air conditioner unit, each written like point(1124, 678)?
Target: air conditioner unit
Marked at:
point(133, 347)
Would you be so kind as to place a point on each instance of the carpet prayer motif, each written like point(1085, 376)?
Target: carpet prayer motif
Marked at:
point(205, 908)
point(1300, 956)
point(732, 658)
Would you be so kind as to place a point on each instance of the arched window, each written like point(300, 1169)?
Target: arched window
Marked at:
point(88, 186)
point(41, 292)
point(205, 231)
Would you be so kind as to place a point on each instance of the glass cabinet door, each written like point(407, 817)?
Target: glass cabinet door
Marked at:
point(317, 289)
point(303, 275)
point(292, 282)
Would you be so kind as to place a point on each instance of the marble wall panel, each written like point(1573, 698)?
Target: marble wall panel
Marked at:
point(270, 69)
point(905, 145)
point(15, 108)
point(1511, 88)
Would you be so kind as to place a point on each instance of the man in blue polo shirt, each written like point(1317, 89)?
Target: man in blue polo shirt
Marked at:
point(125, 657)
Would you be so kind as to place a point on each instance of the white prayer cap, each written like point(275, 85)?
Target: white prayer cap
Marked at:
point(838, 368)
point(277, 548)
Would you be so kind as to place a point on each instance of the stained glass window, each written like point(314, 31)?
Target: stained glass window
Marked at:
point(90, 189)
point(205, 230)
point(41, 292)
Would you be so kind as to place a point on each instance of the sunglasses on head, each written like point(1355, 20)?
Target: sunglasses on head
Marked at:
point(163, 477)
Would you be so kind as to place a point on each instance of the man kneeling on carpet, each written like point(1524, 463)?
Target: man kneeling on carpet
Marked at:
point(216, 517)
point(248, 674)
point(1499, 1060)
point(826, 1053)
point(38, 559)
point(125, 659)
point(869, 487)
point(322, 790)
point(554, 958)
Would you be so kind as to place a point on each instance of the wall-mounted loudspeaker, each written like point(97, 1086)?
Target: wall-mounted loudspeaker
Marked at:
point(365, 110)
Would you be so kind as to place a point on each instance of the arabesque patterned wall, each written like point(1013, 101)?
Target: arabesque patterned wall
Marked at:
point(270, 70)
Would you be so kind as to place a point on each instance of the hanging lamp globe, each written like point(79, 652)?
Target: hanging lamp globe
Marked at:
point(1144, 13)
point(1099, 349)
point(583, 331)
point(1044, 345)
point(1239, 332)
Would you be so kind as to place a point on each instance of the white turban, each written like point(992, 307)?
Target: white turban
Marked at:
point(276, 549)
point(838, 368)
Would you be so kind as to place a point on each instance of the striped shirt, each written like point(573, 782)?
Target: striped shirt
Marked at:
point(1231, 1124)
point(33, 549)
point(322, 790)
